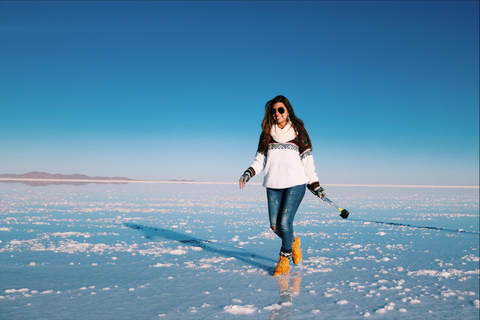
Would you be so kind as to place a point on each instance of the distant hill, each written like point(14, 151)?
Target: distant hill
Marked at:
point(45, 175)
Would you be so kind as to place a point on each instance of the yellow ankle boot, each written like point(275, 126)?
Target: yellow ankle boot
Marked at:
point(283, 266)
point(296, 253)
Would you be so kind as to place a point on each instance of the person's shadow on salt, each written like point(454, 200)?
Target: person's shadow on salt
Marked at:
point(210, 246)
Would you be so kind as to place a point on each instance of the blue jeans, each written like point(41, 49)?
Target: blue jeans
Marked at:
point(282, 207)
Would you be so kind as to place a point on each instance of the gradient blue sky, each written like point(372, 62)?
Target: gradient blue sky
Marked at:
point(388, 90)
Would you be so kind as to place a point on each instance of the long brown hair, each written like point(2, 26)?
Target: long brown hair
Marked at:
point(268, 122)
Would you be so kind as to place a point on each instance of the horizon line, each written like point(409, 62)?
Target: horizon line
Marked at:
point(234, 183)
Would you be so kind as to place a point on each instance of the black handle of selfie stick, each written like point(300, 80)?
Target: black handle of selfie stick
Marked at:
point(343, 212)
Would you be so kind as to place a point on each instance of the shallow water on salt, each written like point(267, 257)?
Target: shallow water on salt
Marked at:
point(180, 251)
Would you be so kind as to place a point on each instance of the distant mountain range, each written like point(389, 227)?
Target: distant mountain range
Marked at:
point(44, 175)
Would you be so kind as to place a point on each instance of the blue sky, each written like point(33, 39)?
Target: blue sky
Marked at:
point(388, 90)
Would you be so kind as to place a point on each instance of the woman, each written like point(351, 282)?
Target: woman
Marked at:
point(285, 154)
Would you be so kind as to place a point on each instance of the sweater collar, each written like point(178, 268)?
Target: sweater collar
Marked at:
point(284, 134)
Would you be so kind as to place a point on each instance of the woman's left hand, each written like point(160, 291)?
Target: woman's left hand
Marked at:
point(320, 192)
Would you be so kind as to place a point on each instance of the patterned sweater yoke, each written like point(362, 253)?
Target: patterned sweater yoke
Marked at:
point(286, 164)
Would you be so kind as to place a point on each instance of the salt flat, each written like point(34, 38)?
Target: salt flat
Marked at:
point(202, 251)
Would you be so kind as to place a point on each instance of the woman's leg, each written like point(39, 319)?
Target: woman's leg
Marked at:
point(282, 207)
point(292, 198)
point(275, 202)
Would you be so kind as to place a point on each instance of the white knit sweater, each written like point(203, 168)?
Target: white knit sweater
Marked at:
point(288, 163)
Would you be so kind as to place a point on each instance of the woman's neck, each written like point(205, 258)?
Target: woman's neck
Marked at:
point(282, 124)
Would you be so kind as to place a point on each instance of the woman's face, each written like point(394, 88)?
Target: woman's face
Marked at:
point(280, 114)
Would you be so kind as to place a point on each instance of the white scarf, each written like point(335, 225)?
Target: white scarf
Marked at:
point(284, 134)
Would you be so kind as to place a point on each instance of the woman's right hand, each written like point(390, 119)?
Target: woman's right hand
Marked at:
point(244, 179)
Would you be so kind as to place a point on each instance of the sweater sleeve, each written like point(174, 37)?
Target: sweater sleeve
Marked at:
point(308, 163)
point(310, 172)
point(259, 161)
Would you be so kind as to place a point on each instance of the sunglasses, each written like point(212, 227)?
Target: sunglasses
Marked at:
point(280, 110)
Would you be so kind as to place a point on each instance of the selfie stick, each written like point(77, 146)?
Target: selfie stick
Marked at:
point(343, 212)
